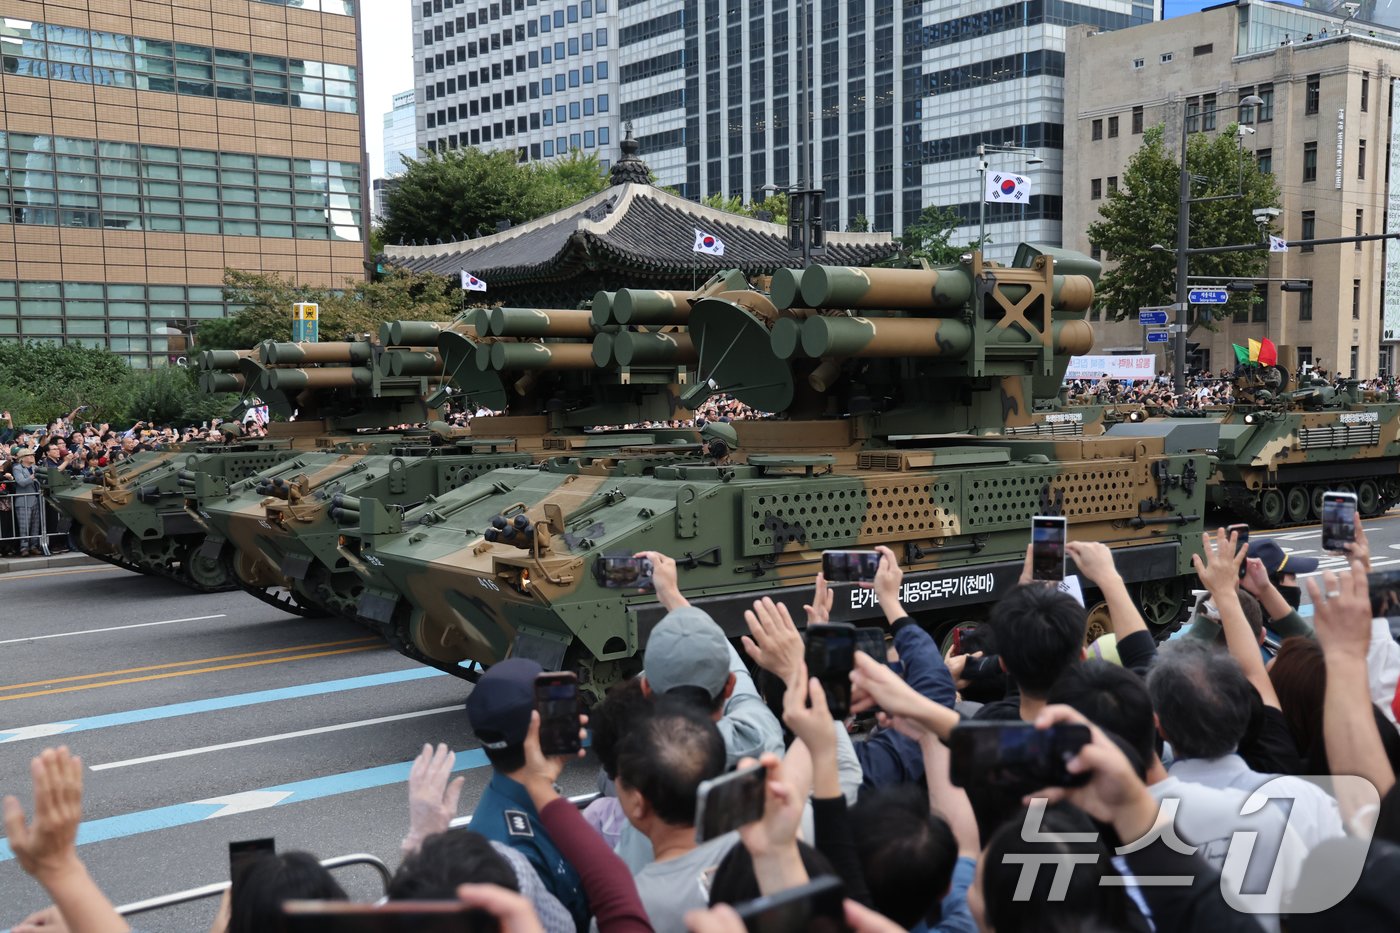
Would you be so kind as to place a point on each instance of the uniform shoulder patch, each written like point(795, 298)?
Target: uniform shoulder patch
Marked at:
point(518, 824)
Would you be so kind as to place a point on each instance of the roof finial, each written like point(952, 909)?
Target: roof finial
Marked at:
point(630, 169)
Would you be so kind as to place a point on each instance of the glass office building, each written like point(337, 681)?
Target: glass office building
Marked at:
point(143, 152)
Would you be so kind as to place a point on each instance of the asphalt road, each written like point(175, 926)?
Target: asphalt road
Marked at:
point(209, 718)
point(297, 729)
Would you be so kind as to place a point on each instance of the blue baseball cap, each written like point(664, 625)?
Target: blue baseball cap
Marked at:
point(500, 704)
point(1276, 561)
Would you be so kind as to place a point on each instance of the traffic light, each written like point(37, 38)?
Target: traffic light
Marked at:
point(1239, 286)
point(1301, 286)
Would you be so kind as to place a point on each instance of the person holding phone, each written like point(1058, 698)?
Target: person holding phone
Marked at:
point(500, 708)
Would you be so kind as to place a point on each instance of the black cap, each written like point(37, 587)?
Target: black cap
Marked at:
point(500, 704)
point(1276, 561)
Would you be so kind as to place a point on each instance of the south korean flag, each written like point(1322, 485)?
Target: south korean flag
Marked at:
point(1005, 187)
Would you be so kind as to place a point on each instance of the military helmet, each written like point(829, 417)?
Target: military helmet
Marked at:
point(722, 432)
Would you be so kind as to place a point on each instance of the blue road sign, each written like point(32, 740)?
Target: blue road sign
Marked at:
point(1152, 318)
point(1208, 296)
point(1157, 336)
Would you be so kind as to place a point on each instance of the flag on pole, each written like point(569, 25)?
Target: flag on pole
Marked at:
point(1004, 187)
point(1241, 354)
point(1268, 353)
point(708, 243)
point(1277, 244)
point(471, 283)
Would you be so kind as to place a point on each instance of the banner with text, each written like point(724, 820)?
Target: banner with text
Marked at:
point(1132, 368)
point(1391, 305)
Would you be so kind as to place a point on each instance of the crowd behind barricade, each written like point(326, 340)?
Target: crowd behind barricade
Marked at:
point(1204, 390)
point(1239, 777)
point(81, 449)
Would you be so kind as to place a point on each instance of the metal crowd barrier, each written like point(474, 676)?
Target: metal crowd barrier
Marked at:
point(214, 890)
point(9, 518)
point(341, 861)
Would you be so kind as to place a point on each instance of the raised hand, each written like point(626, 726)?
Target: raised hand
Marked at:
point(432, 794)
point(46, 847)
point(1220, 569)
point(1342, 613)
point(775, 645)
point(819, 612)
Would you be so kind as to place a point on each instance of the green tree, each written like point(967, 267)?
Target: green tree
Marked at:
point(930, 237)
point(445, 195)
point(1142, 212)
point(41, 381)
point(359, 309)
point(775, 204)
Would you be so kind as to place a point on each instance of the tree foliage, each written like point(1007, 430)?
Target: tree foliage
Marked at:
point(1142, 212)
point(359, 309)
point(41, 381)
point(775, 204)
point(930, 237)
point(466, 192)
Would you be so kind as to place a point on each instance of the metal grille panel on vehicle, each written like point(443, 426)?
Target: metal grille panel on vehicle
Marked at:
point(1339, 435)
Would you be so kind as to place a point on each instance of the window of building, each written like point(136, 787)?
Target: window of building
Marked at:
point(1354, 358)
point(1309, 162)
point(1208, 106)
point(1137, 63)
point(1304, 314)
point(1361, 159)
point(1095, 189)
point(589, 139)
point(1360, 222)
point(1166, 57)
point(602, 130)
point(1137, 120)
point(1193, 115)
point(1266, 109)
point(1356, 299)
point(602, 103)
point(1265, 158)
point(1241, 315)
point(1112, 127)
point(1203, 49)
point(1259, 310)
point(1312, 97)
point(1096, 130)
point(1309, 231)
point(1365, 90)
point(1112, 183)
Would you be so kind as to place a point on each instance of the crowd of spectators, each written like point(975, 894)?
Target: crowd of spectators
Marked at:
point(1204, 390)
point(81, 449)
point(1240, 777)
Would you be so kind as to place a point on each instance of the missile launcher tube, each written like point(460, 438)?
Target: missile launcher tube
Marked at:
point(633, 348)
point(404, 362)
point(538, 322)
point(297, 380)
point(300, 354)
point(541, 356)
point(647, 306)
point(890, 289)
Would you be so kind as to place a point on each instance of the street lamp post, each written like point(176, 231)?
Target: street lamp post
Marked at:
point(1183, 242)
point(982, 150)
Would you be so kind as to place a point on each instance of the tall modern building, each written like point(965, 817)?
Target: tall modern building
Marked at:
point(1326, 129)
point(535, 76)
point(400, 133)
point(901, 97)
point(149, 145)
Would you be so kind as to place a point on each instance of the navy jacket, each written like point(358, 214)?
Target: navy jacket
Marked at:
point(886, 756)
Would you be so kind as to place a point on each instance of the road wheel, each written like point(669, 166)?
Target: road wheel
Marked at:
point(1316, 492)
point(1271, 507)
point(1296, 504)
point(1368, 499)
point(1099, 623)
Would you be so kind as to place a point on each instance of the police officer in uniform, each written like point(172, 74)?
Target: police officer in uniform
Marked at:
point(499, 710)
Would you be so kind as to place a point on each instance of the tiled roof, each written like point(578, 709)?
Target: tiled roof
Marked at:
point(636, 228)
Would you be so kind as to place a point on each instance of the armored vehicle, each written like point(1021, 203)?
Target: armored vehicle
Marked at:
point(1281, 449)
point(897, 394)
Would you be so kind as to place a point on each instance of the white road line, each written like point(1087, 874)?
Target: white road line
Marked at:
point(282, 737)
point(114, 628)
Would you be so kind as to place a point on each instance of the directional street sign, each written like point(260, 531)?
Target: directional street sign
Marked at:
point(1208, 296)
point(1154, 317)
point(1156, 336)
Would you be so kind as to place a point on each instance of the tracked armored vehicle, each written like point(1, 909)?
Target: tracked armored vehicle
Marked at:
point(1281, 449)
point(898, 393)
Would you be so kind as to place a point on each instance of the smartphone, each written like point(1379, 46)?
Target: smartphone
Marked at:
point(1338, 520)
point(831, 656)
point(241, 856)
point(957, 648)
point(732, 800)
point(556, 699)
point(1015, 755)
point(1048, 548)
point(850, 566)
point(623, 571)
point(871, 640)
point(1241, 533)
point(393, 917)
point(817, 905)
